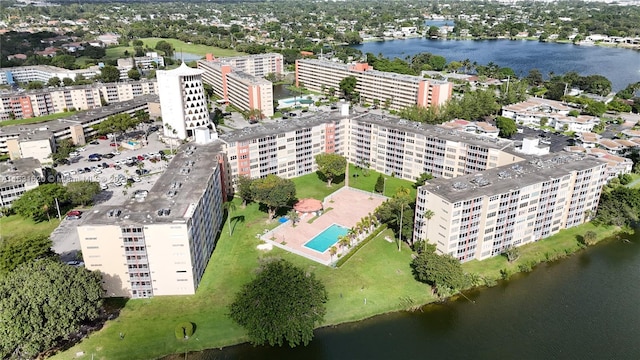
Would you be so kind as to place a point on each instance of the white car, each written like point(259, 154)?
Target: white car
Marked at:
point(104, 186)
point(116, 152)
point(74, 154)
point(136, 179)
point(72, 172)
point(97, 171)
point(81, 149)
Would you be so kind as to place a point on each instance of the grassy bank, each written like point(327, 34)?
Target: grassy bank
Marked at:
point(15, 225)
point(39, 119)
point(148, 324)
point(552, 248)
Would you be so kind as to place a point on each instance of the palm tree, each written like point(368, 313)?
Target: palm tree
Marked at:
point(229, 206)
point(427, 215)
point(293, 216)
point(352, 235)
point(332, 251)
point(343, 241)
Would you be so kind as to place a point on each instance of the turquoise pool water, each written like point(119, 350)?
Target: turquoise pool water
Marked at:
point(327, 238)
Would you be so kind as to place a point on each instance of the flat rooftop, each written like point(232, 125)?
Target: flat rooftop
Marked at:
point(178, 189)
point(79, 118)
point(19, 171)
point(510, 177)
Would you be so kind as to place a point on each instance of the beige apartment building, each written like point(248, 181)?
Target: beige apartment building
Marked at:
point(23, 105)
point(387, 144)
point(236, 87)
point(17, 177)
point(160, 242)
point(479, 215)
point(395, 91)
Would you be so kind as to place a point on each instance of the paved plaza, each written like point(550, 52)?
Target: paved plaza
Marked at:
point(348, 207)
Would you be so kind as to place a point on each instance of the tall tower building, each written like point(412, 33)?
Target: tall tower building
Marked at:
point(183, 102)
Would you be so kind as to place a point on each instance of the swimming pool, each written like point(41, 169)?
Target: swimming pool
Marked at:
point(327, 238)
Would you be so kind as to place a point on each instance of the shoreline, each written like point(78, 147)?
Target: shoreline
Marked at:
point(606, 234)
point(567, 42)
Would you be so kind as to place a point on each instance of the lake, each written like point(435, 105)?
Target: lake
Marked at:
point(581, 307)
point(621, 66)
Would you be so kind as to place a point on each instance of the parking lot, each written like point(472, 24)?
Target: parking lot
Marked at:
point(65, 238)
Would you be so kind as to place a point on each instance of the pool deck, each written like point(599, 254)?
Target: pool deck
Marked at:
point(348, 207)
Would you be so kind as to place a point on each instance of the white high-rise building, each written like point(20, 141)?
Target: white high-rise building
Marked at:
point(183, 102)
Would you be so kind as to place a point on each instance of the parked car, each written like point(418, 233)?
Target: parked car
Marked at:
point(94, 142)
point(74, 154)
point(113, 144)
point(82, 149)
point(104, 186)
point(117, 167)
point(74, 214)
point(102, 137)
point(105, 165)
point(140, 157)
point(75, 263)
point(115, 152)
point(141, 172)
point(80, 171)
point(108, 156)
point(87, 170)
point(136, 178)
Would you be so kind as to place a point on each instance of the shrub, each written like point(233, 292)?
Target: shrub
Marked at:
point(184, 330)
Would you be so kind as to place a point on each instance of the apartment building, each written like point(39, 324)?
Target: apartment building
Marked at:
point(27, 104)
point(159, 243)
point(555, 114)
point(38, 140)
point(386, 144)
point(183, 101)
point(17, 177)
point(287, 149)
point(42, 73)
point(259, 65)
point(240, 88)
point(477, 216)
point(395, 91)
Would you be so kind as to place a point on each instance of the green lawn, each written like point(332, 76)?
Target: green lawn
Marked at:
point(35, 120)
point(192, 48)
point(15, 225)
point(366, 180)
point(558, 245)
point(378, 272)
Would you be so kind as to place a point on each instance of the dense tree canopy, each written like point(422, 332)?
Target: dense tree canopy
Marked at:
point(39, 203)
point(619, 206)
point(348, 88)
point(273, 191)
point(244, 189)
point(15, 251)
point(116, 124)
point(109, 73)
point(507, 126)
point(331, 165)
point(82, 192)
point(281, 305)
point(42, 302)
point(443, 272)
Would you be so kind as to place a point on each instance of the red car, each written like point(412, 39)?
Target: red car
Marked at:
point(140, 157)
point(113, 144)
point(74, 214)
point(102, 137)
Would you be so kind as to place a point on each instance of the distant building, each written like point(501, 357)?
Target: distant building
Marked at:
point(555, 114)
point(27, 104)
point(392, 90)
point(42, 73)
point(160, 243)
point(16, 177)
point(239, 80)
point(183, 101)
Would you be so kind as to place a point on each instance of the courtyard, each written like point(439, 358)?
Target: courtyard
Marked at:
point(345, 207)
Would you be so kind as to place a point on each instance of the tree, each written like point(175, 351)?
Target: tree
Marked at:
point(274, 192)
point(443, 272)
point(293, 216)
point(67, 81)
point(63, 149)
point(433, 31)
point(110, 73)
point(54, 81)
point(427, 215)
point(437, 62)
point(331, 165)
point(37, 203)
point(133, 74)
point(82, 192)
point(534, 77)
point(507, 126)
point(282, 304)
point(422, 179)
point(94, 52)
point(42, 302)
point(15, 251)
point(348, 87)
point(116, 124)
point(35, 85)
point(379, 187)
point(64, 61)
point(244, 189)
point(164, 46)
